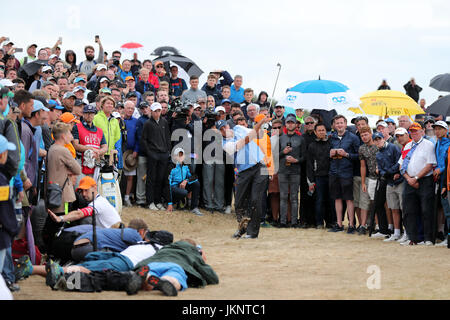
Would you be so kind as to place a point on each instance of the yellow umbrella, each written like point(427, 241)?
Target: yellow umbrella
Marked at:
point(387, 103)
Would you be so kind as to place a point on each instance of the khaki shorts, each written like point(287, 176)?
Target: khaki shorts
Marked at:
point(366, 197)
point(394, 196)
point(356, 191)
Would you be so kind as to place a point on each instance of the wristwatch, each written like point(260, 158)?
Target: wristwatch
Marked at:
point(61, 219)
point(416, 177)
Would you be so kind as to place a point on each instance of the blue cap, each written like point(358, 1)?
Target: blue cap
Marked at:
point(78, 79)
point(89, 108)
point(6, 145)
point(220, 124)
point(225, 100)
point(54, 104)
point(389, 120)
point(291, 117)
point(79, 88)
point(377, 135)
point(37, 105)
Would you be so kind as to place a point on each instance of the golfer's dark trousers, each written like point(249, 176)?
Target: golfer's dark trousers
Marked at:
point(419, 203)
point(180, 193)
point(380, 210)
point(229, 181)
point(156, 176)
point(250, 186)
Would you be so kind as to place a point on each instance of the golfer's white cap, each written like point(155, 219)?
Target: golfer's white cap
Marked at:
point(441, 123)
point(220, 108)
point(156, 106)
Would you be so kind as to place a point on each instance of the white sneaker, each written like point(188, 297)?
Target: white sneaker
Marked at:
point(160, 207)
point(442, 243)
point(392, 238)
point(426, 243)
point(197, 212)
point(153, 207)
point(408, 243)
point(127, 203)
point(403, 238)
point(378, 235)
point(228, 210)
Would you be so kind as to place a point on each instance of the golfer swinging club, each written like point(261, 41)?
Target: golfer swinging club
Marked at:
point(251, 179)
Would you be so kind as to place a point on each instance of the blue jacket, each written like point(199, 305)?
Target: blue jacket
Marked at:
point(131, 125)
point(343, 168)
point(441, 148)
point(178, 175)
point(122, 74)
point(387, 161)
point(139, 128)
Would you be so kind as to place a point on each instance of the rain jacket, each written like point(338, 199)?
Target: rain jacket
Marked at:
point(387, 162)
point(343, 168)
point(110, 127)
point(442, 147)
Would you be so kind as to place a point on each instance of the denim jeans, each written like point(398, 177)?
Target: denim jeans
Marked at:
point(8, 266)
point(2, 258)
point(289, 186)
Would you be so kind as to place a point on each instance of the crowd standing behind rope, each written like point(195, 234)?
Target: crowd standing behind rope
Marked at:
point(69, 120)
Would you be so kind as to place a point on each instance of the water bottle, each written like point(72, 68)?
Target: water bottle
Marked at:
point(18, 211)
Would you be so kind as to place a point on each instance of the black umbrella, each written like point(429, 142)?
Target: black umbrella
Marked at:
point(161, 51)
point(440, 106)
point(187, 64)
point(33, 66)
point(441, 82)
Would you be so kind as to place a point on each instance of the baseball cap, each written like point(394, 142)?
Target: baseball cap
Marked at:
point(67, 117)
point(143, 104)
point(89, 108)
point(52, 56)
point(225, 100)
point(131, 94)
point(7, 83)
point(100, 66)
point(196, 105)
point(178, 150)
point(103, 79)
point(115, 114)
point(156, 106)
point(382, 123)
point(38, 105)
point(78, 79)
point(291, 117)
point(415, 126)
point(259, 117)
point(220, 124)
point(69, 94)
point(220, 108)
point(6, 145)
point(441, 123)
point(377, 135)
point(429, 119)
point(105, 90)
point(129, 78)
point(54, 104)
point(400, 131)
point(87, 183)
point(32, 45)
point(389, 120)
point(47, 68)
point(158, 62)
point(80, 102)
point(78, 89)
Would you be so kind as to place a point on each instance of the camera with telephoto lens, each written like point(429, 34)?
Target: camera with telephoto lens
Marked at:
point(211, 117)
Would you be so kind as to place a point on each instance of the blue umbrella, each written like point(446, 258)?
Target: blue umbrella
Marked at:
point(319, 94)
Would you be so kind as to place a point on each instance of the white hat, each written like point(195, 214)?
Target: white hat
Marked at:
point(382, 123)
point(52, 56)
point(155, 106)
point(178, 150)
point(115, 114)
point(220, 108)
point(440, 123)
point(196, 105)
point(46, 68)
point(7, 83)
point(401, 131)
point(101, 66)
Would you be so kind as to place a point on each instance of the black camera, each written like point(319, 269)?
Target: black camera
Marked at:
point(211, 117)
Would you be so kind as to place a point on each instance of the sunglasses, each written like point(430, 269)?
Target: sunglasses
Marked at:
point(309, 122)
point(160, 66)
point(276, 127)
point(47, 71)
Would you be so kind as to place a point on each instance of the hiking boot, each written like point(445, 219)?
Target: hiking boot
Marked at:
point(136, 280)
point(336, 228)
point(162, 285)
point(197, 212)
point(351, 230)
point(153, 207)
point(23, 268)
point(54, 273)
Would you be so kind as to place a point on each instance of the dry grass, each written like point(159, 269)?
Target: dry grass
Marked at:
point(286, 264)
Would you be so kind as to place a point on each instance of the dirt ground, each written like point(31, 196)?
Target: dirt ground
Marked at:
point(286, 264)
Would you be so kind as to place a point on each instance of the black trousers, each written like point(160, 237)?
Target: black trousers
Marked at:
point(229, 181)
point(180, 193)
point(419, 203)
point(156, 176)
point(250, 187)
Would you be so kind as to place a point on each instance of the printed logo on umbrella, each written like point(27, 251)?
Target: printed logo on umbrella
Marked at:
point(291, 98)
point(340, 99)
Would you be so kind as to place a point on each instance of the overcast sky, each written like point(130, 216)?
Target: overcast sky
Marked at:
point(357, 43)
